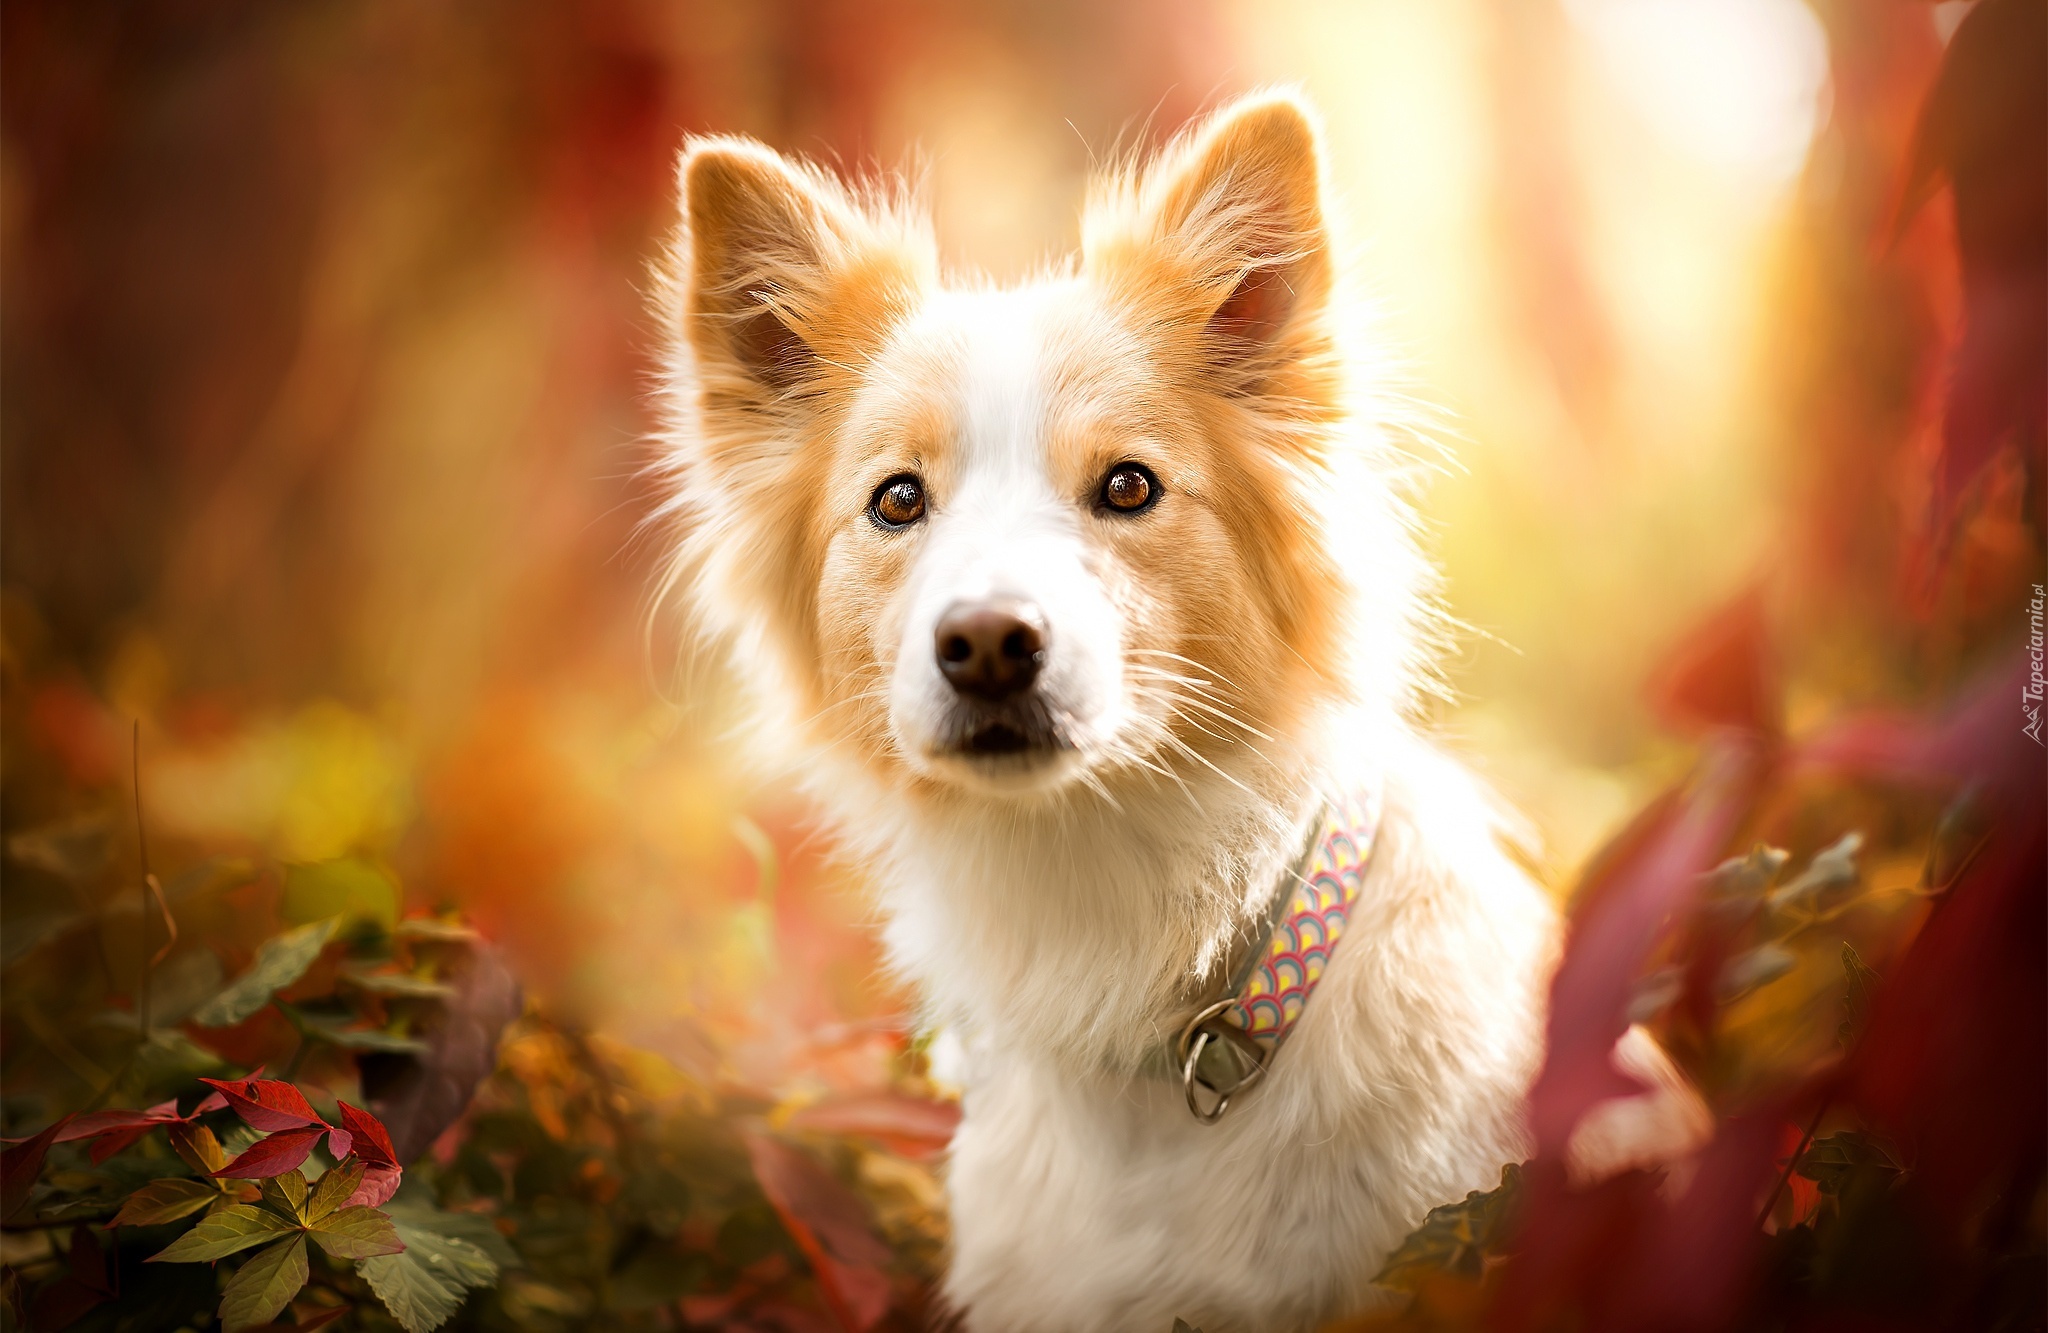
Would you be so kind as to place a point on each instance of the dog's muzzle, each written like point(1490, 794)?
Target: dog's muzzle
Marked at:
point(992, 652)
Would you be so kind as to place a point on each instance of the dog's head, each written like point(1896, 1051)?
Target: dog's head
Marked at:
point(1083, 531)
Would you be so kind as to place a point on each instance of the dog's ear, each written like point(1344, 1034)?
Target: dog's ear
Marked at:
point(1224, 234)
point(784, 279)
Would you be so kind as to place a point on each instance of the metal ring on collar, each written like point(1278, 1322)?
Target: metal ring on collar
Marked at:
point(1210, 1026)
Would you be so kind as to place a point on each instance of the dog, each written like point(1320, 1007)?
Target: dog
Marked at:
point(1091, 612)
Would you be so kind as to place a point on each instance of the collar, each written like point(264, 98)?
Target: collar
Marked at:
point(1229, 1045)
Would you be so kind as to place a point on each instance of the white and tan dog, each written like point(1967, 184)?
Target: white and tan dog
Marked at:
point(1077, 601)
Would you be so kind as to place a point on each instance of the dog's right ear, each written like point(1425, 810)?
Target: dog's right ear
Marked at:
point(785, 280)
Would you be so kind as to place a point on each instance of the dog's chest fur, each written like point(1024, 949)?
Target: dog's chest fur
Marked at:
point(1083, 1193)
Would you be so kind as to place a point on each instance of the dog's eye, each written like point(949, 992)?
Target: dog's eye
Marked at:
point(898, 502)
point(1128, 488)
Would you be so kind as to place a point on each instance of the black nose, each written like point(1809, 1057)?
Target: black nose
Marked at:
point(991, 649)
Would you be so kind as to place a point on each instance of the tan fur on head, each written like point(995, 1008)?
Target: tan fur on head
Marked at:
point(814, 342)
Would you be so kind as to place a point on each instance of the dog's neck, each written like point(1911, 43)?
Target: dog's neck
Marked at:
point(1083, 930)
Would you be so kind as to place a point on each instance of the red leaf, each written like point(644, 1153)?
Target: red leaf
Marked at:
point(117, 1129)
point(378, 1184)
point(87, 1285)
point(340, 1143)
point(267, 1104)
point(1985, 127)
point(830, 1225)
point(1722, 674)
point(1630, 896)
point(21, 1164)
point(115, 1140)
point(95, 1123)
point(373, 1144)
point(273, 1156)
point(1950, 1063)
point(910, 1125)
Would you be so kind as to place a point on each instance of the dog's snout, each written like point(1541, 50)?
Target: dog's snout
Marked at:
point(991, 649)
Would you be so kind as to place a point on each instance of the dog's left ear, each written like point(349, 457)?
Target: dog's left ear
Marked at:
point(1224, 236)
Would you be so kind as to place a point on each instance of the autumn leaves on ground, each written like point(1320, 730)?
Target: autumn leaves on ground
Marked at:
point(390, 941)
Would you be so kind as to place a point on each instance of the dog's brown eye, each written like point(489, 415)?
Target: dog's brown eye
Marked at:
point(898, 502)
point(1129, 488)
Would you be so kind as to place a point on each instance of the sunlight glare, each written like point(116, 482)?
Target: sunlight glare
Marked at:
point(1739, 83)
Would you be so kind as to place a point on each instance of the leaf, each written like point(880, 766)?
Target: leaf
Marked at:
point(163, 1201)
point(357, 1233)
point(87, 1284)
point(1753, 969)
point(372, 1141)
point(437, 932)
point(446, 1254)
point(1862, 987)
point(378, 1185)
point(21, 1164)
point(1746, 876)
point(1636, 887)
point(264, 1286)
point(267, 1103)
point(364, 1039)
point(273, 1155)
point(829, 1223)
point(1834, 1159)
point(77, 849)
point(200, 1149)
point(280, 961)
point(914, 1126)
point(333, 1190)
point(1831, 869)
point(1455, 1238)
point(402, 985)
point(1723, 674)
point(415, 1297)
point(286, 1193)
point(225, 1233)
point(419, 1096)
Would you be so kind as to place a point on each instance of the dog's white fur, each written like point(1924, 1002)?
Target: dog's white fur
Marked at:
point(1063, 915)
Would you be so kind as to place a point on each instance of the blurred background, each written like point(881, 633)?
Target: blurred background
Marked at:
point(327, 368)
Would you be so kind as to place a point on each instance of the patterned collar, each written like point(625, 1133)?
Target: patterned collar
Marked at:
point(1229, 1045)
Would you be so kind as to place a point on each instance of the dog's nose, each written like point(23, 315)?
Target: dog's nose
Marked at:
point(991, 649)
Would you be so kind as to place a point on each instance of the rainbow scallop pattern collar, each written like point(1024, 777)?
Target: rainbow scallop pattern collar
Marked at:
point(1229, 1045)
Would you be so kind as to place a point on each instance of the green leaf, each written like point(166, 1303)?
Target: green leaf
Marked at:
point(225, 1233)
point(165, 1201)
point(1831, 870)
point(348, 888)
point(1746, 877)
point(200, 1149)
point(1455, 1238)
point(261, 1288)
point(436, 932)
point(1833, 1160)
point(333, 1190)
point(445, 1255)
point(361, 1039)
point(281, 960)
point(77, 849)
point(1753, 969)
point(287, 1193)
point(414, 1296)
point(401, 985)
point(358, 1233)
